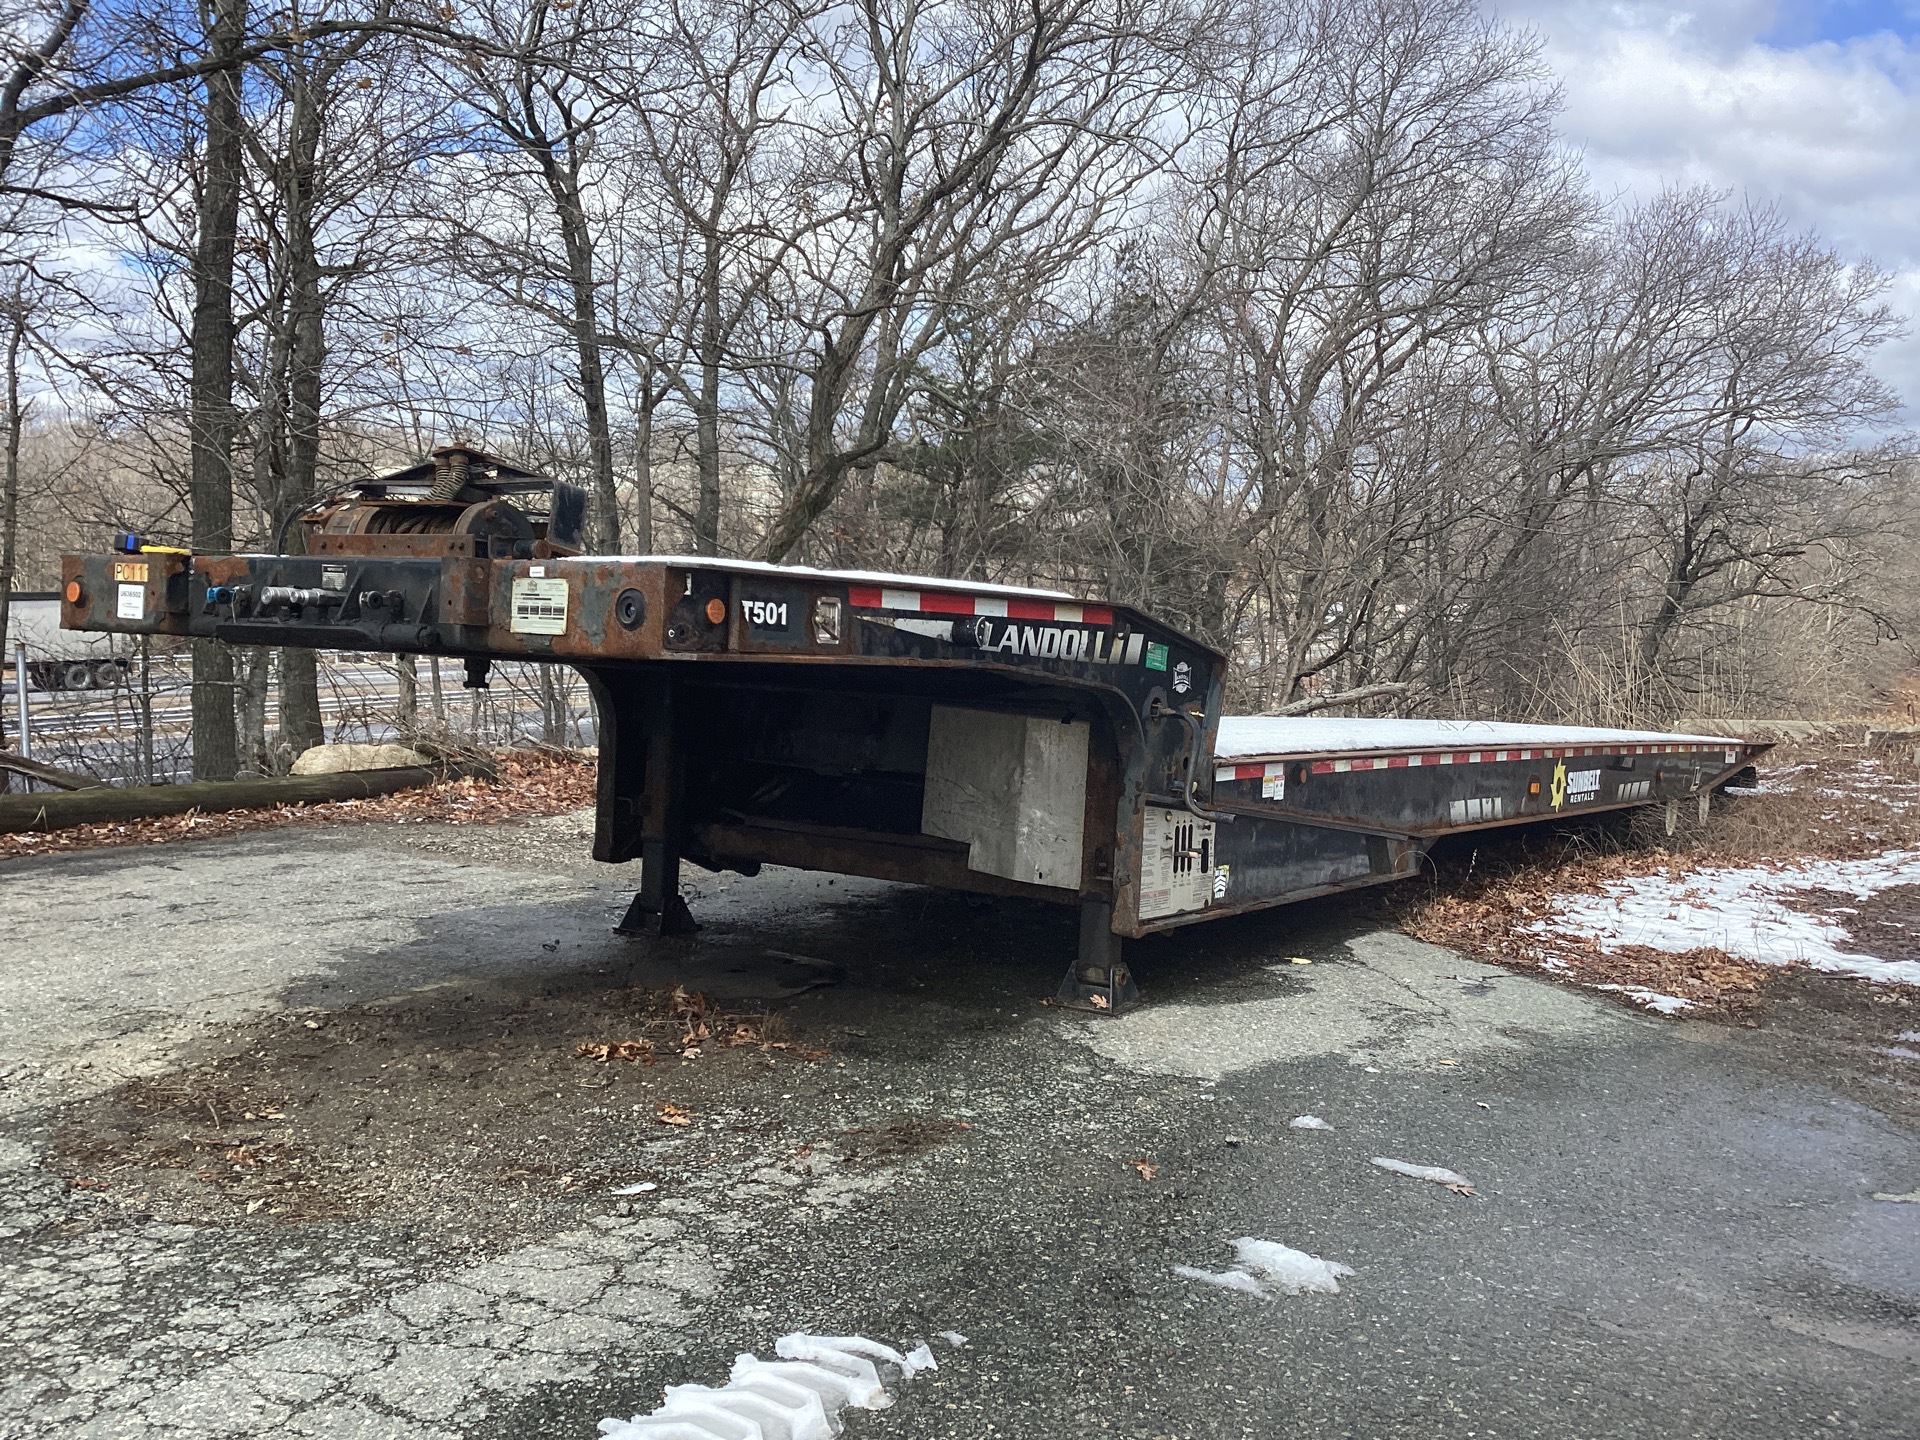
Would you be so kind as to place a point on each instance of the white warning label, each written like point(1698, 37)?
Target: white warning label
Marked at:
point(131, 603)
point(1176, 864)
point(539, 607)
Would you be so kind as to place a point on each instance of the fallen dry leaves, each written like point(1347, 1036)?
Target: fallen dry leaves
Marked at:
point(1507, 918)
point(680, 1021)
point(1820, 804)
point(1148, 1170)
point(668, 1113)
point(525, 783)
point(605, 1050)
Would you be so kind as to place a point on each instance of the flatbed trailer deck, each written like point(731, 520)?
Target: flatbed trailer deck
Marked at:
point(999, 739)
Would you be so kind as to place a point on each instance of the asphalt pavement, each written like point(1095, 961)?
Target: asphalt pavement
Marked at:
point(299, 1139)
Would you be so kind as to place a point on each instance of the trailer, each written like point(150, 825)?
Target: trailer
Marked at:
point(58, 659)
point(990, 738)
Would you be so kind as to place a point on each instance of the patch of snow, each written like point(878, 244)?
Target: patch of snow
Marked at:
point(1436, 1174)
point(1650, 999)
point(1245, 736)
point(1742, 912)
point(1779, 781)
point(1898, 1052)
point(1225, 1279)
point(1267, 1266)
point(1285, 1268)
point(953, 1338)
point(1913, 1035)
point(1308, 1122)
point(858, 1374)
point(798, 1397)
point(642, 1188)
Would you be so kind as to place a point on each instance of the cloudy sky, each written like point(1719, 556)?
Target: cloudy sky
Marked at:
point(1813, 105)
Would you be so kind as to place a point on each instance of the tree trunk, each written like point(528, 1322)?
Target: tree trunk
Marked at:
point(604, 515)
point(643, 472)
point(406, 718)
point(210, 404)
point(706, 514)
point(10, 493)
point(114, 803)
point(253, 676)
point(301, 727)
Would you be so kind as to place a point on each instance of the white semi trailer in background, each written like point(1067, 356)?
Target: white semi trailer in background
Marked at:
point(59, 659)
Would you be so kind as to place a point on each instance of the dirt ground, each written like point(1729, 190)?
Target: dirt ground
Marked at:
point(487, 1109)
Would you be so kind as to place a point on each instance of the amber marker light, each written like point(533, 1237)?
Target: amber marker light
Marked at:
point(74, 591)
point(716, 611)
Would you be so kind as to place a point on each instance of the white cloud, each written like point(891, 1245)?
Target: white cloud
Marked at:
point(1726, 94)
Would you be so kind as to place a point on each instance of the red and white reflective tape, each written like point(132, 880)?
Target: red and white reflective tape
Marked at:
point(1258, 770)
point(934, 602)
point(1270, 770)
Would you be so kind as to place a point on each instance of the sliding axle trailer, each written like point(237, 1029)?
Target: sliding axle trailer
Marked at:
point(998, 739)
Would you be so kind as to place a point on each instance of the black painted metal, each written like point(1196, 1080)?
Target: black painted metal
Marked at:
point(747, 716)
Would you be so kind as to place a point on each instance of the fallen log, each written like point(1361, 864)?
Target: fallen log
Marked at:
point(110, 804)
point(48, 774)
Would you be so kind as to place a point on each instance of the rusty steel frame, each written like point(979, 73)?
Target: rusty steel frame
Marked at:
point(749, 714)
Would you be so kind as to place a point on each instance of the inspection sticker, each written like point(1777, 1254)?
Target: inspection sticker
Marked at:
point(539, 607)
point(131, 603)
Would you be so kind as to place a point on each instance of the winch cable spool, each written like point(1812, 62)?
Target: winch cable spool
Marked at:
point(456, 492)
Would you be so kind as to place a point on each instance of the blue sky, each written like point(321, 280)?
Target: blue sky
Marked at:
point(1802, 24)
point(1814, 106)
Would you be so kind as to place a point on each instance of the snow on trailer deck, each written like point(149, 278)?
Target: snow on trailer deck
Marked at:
point(998, 739)
point(1250, 737)
point(1265, 747)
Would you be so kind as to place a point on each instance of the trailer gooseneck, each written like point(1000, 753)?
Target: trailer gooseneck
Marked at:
point(989, 738)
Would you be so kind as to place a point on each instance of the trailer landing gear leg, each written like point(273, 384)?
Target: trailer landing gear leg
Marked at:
point(657, 908)
point(1099, 979)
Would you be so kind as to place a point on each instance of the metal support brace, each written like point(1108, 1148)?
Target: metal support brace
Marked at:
point(658, 908)
point(649, 914)
point(1099, 979)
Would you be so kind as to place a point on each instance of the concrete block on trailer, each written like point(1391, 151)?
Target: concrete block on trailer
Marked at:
point(1013, 787)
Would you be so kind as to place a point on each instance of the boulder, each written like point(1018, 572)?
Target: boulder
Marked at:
point(334, 759)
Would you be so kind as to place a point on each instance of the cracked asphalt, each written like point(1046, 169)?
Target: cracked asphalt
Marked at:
point(397, 1217)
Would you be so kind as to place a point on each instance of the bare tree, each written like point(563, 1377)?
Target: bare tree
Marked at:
point(13, 314)
point(966, 130)
point(535, 77)
point(307, 174)
point(736, 184)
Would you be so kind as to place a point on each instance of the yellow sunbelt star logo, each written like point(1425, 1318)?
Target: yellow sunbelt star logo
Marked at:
point(1557, 793)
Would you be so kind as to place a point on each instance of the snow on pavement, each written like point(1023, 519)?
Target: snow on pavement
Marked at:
point(1433, 1174)
point(1744, 912)
point(799, 1396)
point(1266, 1267)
